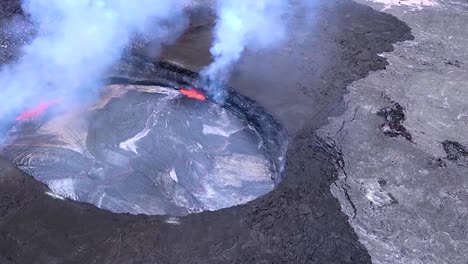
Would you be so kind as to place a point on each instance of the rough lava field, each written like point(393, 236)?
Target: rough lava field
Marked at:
point(373, 98)
point(405, 172)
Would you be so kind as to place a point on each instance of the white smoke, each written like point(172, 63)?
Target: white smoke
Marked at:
point(258, 24)
point(250, 24)
point(77, 41)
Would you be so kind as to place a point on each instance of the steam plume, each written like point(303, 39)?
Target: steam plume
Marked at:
point(242, 24)
point(77, 41)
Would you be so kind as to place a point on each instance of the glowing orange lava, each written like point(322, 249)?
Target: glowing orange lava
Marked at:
point(193, 93)
point(38, 110)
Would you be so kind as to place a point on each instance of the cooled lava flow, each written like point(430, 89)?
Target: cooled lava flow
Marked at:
point(193, 93)
point(144, 149)
point(38, 110)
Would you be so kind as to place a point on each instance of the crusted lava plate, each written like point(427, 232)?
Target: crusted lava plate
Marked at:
point(150, 149)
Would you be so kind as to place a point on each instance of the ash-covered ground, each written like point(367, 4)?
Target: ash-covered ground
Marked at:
point(382, 182)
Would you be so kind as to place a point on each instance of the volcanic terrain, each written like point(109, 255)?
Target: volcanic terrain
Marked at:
point(290, 186)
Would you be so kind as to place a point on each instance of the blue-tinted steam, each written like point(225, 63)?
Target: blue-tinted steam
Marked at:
point(242, 24)
point(77, 41)
point(248, 24)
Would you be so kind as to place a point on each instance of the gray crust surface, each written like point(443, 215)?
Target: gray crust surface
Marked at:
point(403, 140)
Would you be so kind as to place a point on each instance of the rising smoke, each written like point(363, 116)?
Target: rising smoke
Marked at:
point(250, 24)
point(258, 24)
point(76, 42)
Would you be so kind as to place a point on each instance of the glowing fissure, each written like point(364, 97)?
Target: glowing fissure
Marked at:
point(38, 110)
point(193, 93)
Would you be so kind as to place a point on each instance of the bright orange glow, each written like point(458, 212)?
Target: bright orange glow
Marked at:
point(193, 93)
point(38, 110)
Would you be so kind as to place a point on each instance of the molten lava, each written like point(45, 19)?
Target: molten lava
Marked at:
point(38, 110)
point(193, 93)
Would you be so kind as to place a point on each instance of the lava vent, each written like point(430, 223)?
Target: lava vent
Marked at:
point(152, 150)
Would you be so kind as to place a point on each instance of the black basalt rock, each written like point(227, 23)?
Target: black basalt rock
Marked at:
point(456, 152)
point(393, 126)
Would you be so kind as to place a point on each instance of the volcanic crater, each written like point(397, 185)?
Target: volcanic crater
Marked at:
point(151, 148)
point(300, 221)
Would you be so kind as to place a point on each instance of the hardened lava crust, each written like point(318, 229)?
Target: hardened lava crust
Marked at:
point(301, 84)
point(150, 149)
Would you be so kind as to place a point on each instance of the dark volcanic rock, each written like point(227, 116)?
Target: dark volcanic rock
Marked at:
point(438, 163)
point(456, 152)
point(394, 117)
point(15, 30)
point(298, 222)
